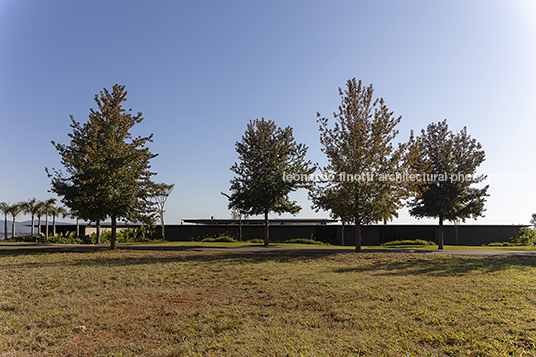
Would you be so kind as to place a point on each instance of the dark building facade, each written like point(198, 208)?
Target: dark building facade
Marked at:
point(325, 230)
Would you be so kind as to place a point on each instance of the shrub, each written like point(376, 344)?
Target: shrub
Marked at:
point(525, 236)
point(256, 240)
point(303, 241)
point(503, 244)
point(409, 242)
point(25, 238)
point(67, 238)
point(126, 235)
point(220, 239)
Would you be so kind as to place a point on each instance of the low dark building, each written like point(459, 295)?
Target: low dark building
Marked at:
point(324, 230)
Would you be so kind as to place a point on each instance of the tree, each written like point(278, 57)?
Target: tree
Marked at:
point(532, 219)
point(48, 207)
point(363, 179)
point(267, 154)
point(4, 208)
point(57, 211)
point(40, 212)
point(445, 165)
point(107, 170)
point(32, 207)
point(14, 210)
point(160, 196)
point(235, 214)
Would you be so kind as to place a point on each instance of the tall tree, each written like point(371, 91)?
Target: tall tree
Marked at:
point(14, 210)
point(48, 207)
point(107, 170)
point(40, 212)
point(446, 164)
point(361, 185)
point(267, 154)
point(31, 207)
point(57, 211)
point(160, 195)
point(4, 208)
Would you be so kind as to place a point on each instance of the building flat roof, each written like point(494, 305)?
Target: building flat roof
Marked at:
point(289, 221)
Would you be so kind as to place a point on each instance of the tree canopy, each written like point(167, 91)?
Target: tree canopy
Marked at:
point(107, 171)
point(267, 154)
point(446, 165)
point(359, 186)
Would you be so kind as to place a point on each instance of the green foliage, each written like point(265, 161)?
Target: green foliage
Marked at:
point(360, 156)
point(255, 240)
point(126, 235)
point(303, 241)
point(409, 242)
point(503, 244)
point(446, 165)
point(267, 153)
point(107, 170)
point(525, 236)
point(220, 239)
point(65, 238)
point(61, 238)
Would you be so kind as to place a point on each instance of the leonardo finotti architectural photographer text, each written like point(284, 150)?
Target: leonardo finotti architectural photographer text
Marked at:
point(401, 177)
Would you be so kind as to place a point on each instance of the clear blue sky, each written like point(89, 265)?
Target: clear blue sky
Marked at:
point(200, 70)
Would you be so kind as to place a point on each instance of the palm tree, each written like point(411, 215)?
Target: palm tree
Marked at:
point(15, 210)
point(32, 207)
point(4, 207)
point(48, 205)
point(40, 212)
point(57, 211)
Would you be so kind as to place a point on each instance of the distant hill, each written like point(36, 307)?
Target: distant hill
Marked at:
point(24, 227)
point(21, 228)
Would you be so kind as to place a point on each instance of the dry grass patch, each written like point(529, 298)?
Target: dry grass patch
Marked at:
point(152, 303)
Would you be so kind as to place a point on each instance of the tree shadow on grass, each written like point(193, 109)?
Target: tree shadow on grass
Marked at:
point(438, 266)
point(379, 262)
point(105, 257)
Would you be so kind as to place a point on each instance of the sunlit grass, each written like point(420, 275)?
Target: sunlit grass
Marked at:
point(183, 303)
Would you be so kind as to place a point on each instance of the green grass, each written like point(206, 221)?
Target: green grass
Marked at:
point(177, 303)
point(6, 245)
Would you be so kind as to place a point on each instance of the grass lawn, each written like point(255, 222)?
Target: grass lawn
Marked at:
point(183, 303)
point(327, 246)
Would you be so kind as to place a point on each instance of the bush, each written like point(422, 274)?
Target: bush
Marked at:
point(126, 235)
point(256, 240)
point(303, 241)
point(220, 239)
point(503, 244)
point(25, 238)
point(525, 236)
point(409, 242)
point(67, 238)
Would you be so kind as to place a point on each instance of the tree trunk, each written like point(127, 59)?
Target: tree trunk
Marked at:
point(357, 236)
point(97, 232)
point(46, 225)
point(33, 216)
point(13, 229)
point(163, 228)
point(77, 228)
point(266, 230)
point(38, 225)
point(54, 225)
point(440, 243)
point(342, 235)
point(113, 240)
point(240, 227)
point(5, 226)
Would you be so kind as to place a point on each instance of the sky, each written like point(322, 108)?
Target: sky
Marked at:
point(200, 70)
